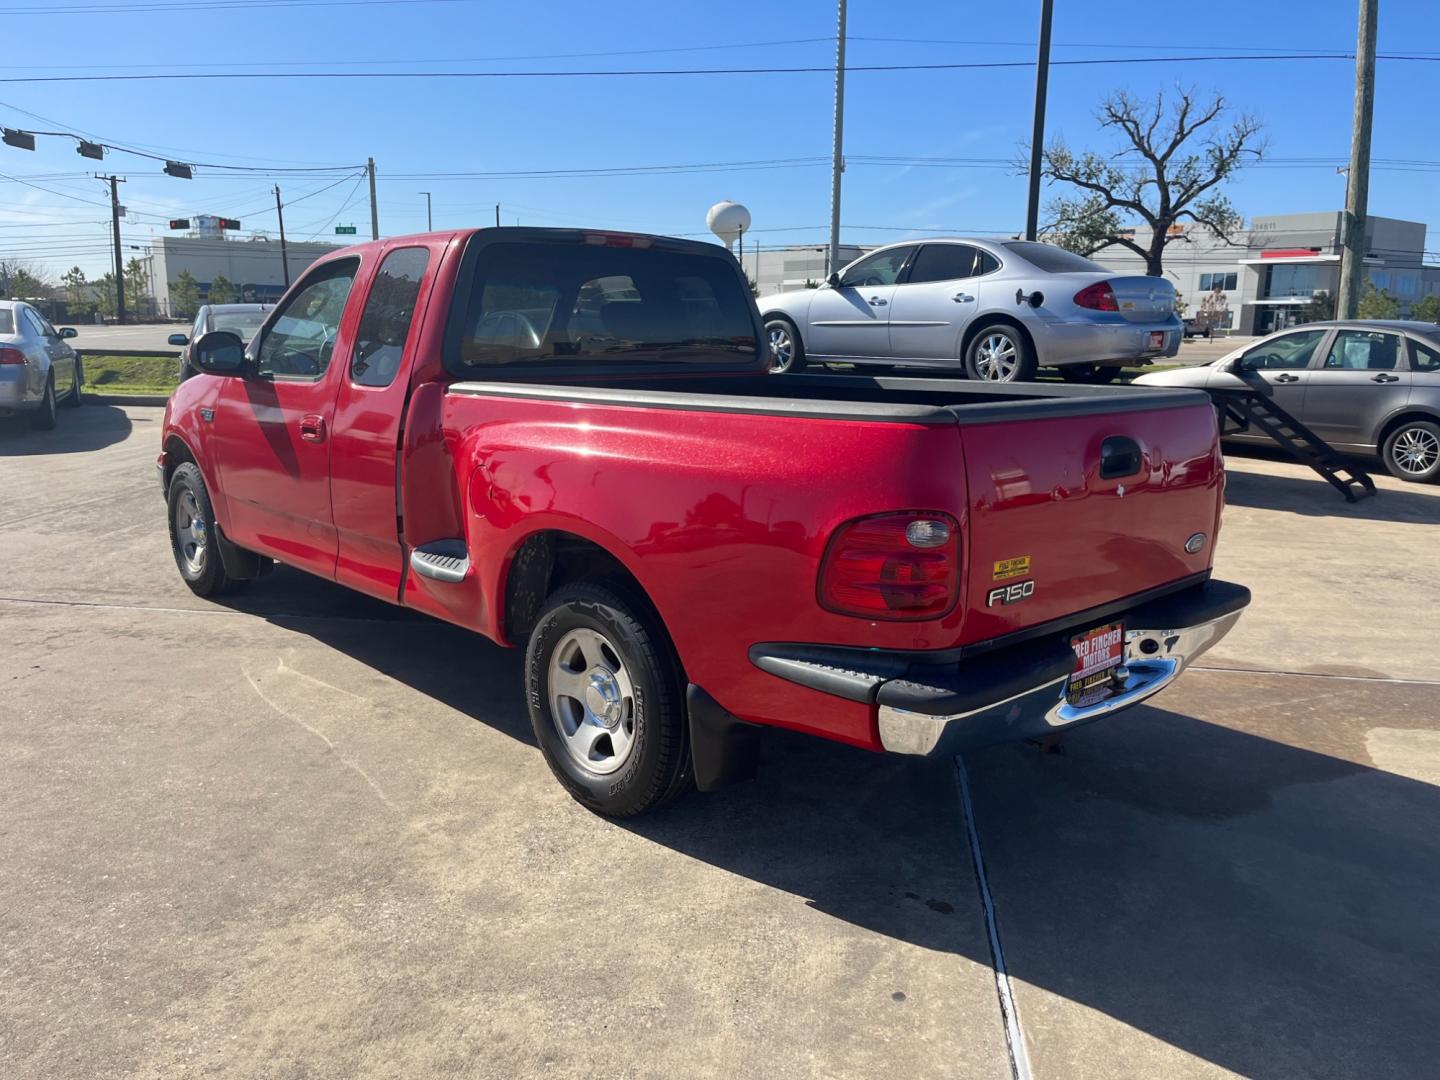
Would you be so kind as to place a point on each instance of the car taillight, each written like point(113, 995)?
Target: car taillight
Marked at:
point(11, 356)
point(1097, 297)
point(893, 566)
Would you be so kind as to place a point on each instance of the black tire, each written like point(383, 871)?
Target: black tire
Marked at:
point(204, 575)
point(1093, 374)
point(72, 399)
point(45, 417)
point(778, 325)
point(1021, 365)
point(1412, 451)
point(657, 765)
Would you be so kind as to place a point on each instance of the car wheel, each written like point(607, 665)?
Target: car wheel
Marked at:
point(1090, 373)
point(1412, 451)
point(44, 418)
point(193, 537)
point(607, 699)
point(999, 353)
point(787, 353)
point(73, 399)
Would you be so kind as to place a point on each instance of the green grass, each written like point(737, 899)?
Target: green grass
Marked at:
point(135, 375)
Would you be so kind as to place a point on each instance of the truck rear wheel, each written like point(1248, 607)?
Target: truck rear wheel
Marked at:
point(193, 536)
point(607, 699)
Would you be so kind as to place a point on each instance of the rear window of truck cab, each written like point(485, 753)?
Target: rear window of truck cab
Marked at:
point(575, 304)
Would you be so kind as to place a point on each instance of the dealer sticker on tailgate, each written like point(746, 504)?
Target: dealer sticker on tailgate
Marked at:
point(1098, 652)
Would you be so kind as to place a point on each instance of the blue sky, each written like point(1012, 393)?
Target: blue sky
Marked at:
point(418, 128)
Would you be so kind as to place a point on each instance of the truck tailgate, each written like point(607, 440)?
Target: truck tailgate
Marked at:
point(1046, 511)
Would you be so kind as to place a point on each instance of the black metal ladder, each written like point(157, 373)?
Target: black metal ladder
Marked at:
point(1239, 410)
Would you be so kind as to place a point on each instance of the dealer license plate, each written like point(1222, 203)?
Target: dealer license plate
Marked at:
point(1098, 652)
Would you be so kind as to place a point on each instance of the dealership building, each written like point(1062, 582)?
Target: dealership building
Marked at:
point(1260, 280)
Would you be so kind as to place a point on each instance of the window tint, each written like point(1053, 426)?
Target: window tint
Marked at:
point(389, 311)
point(988, 263)
point(7, 321)
point(1053, 260)
point(587, 304)
point(943, 262)
point(1364, 350)
point(1424, 357)
point(1289, 352)
point(301, 341)
point(882, 268)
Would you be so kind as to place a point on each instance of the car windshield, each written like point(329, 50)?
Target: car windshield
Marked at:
point(243, 323)
point(7, 321)
point(1054, 260)
point(572, 303)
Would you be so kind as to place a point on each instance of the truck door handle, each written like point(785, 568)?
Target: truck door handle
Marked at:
point(1287, 378)
point(1382, 377)
point(962, 298)
point(875, 301)
point(312, 428)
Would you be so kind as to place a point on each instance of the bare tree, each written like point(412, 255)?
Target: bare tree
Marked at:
point(1172, 159)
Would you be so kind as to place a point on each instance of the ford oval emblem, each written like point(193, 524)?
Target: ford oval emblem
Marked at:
point(1195, 543)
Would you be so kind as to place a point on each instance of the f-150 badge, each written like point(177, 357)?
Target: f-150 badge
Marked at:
point(1010, 594)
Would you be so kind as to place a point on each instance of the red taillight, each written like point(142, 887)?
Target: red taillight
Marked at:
point(620, 240)
point(1097, 297)
point(11, 356)
point(893, 566)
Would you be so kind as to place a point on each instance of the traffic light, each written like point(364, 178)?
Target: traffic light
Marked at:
point(91, 150)
point(22, 140)
point(178, 169)
point(229, 223)
point(180, 223)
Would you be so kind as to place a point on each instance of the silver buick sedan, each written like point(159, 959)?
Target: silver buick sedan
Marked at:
point(37, 366)
point(998, 310)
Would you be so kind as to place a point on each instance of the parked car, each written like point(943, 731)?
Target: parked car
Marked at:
point(37, 367)
point(1369, 387)
point(994, 310)
point(1200, 325)
point(569, 441)
point(241, 319)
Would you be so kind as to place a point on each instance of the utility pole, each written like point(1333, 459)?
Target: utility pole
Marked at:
point(1357, 190)
point(497, 215)
point(429, 221)
point(1037, 133)
point(374, 210)
point(119, 266)
point(284, 255)
point(837, 164)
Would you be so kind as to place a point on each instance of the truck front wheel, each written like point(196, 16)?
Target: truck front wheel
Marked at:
point(607, 699)
point(193, 537)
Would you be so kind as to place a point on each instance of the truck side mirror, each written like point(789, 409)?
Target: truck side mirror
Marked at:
point(219, 353)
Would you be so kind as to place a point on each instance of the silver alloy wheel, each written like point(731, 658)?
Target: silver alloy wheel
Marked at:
point(190, 534)
point(782, 350)
point(996, 358)
point(1415, 451)
point(592, 701)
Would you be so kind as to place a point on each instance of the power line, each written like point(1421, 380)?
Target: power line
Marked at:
point(214, 5)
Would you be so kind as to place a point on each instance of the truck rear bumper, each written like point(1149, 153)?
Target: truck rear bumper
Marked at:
point(937, 704)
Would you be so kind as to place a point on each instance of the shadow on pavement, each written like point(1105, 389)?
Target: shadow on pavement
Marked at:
point(1266, 908)
point(1312, 496)
point(91, 427)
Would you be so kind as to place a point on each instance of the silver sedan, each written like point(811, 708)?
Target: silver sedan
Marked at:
point(37, 367)
point(999, 310)
point(1365, 387)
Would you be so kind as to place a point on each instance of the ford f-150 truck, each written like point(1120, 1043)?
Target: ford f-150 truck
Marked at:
point(570, 441)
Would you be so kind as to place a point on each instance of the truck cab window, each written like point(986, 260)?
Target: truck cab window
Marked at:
point(301, 340)
point(386, 320)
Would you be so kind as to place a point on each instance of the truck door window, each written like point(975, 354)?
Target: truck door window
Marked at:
point(389, 311)
point(300, 341)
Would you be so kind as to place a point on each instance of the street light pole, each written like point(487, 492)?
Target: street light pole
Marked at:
point(1037, 133)
point(374, 210)
point(1357, 189)
point(429, 222)
point(837, 164)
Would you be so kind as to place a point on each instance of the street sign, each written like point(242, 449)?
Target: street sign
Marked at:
point(344, 230)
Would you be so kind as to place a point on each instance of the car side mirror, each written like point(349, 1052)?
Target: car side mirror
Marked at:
point(178, 339)
point(68, 332)
point(1243, 366)
point(834, 279)
point(219, 353)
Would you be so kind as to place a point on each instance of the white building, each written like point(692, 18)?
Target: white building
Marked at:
point(253, 266)
point(792, 267)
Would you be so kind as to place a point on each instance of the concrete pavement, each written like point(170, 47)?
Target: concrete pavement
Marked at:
point(306, 834)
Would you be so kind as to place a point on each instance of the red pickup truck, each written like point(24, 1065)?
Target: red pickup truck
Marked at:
point(569, 441)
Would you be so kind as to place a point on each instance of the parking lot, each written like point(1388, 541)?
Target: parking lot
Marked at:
point(306, 834)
